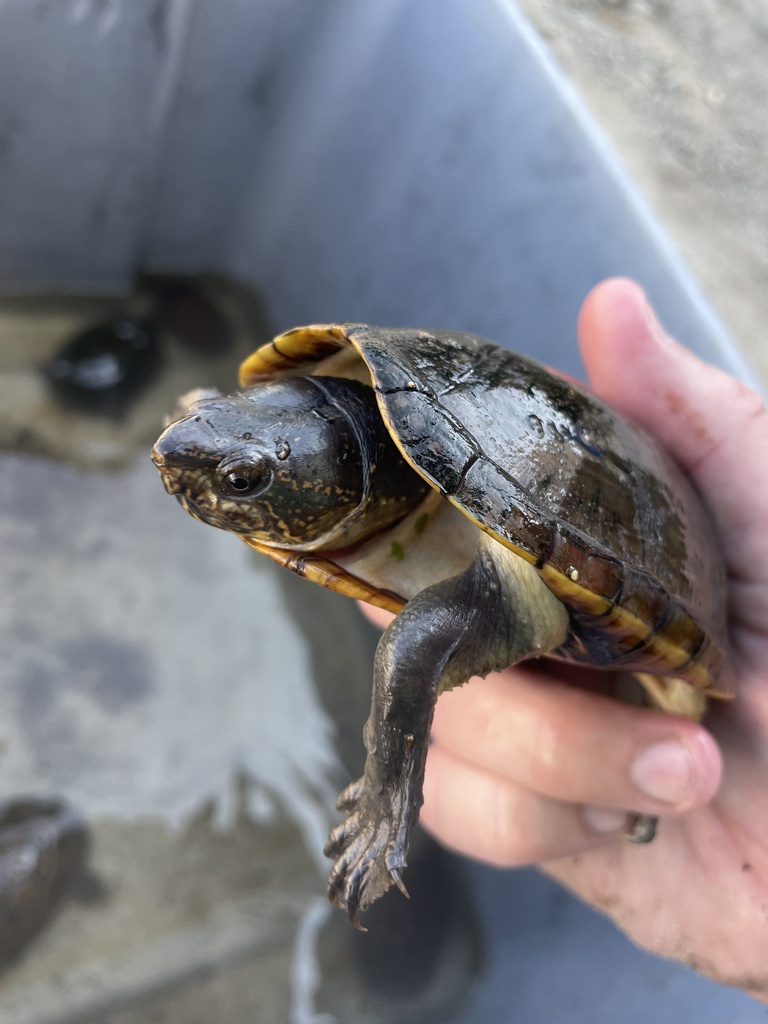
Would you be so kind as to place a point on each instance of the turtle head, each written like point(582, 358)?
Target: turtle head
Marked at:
point(286, 462)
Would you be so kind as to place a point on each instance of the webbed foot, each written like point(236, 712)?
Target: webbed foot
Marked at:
point(368, 849)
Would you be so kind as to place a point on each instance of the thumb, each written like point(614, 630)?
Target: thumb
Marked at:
point(714, 426)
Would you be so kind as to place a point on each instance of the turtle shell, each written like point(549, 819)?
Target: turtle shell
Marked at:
point(611, 524)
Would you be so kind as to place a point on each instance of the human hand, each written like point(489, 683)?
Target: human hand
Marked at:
point(527, 768)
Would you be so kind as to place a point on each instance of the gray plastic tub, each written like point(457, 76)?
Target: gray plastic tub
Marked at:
point(392, 162)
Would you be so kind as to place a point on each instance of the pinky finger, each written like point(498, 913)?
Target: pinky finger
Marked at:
point(491, 818)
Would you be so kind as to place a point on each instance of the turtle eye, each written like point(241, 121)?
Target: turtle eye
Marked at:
point(246, 477)
point(241, 483)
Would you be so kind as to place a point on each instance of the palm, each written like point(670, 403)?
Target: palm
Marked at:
point(699, 892)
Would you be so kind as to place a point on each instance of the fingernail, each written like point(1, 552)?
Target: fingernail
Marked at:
point(605, 819)
point(664, 772)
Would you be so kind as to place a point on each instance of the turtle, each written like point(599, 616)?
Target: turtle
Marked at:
point(500, 510)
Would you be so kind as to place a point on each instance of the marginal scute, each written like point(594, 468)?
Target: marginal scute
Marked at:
point(292, 350)
point(573, 557)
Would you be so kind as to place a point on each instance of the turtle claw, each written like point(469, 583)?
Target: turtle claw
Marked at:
point(395, 876)
point(337, 839)
point(368, 852)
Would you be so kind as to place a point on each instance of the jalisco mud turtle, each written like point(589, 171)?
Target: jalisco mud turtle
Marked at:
point(504, 512)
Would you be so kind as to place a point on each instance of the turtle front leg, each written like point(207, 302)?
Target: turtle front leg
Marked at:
point(492, 615)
